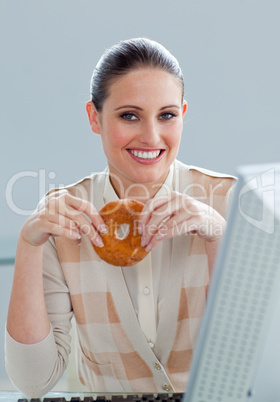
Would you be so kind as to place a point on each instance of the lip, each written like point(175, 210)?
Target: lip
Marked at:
point(146, 161)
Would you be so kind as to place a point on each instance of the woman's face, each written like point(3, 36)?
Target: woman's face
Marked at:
point(140, 127)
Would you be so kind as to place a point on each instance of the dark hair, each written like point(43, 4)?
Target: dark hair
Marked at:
point(128, 55)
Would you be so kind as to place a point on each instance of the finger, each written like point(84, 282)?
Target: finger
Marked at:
point(61, 201)
point(61, 220)
point(43, 203)
point(55, 229)
point(88, 209)
point(180, 208)
point(65, 212)
point(168, 231)
point(156, 213)
point(161, 216)
point(148, 210)
point(64, 222)
point(176, 226)
point(88, 230)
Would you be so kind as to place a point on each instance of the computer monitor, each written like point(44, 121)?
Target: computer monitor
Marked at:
point(237, 356)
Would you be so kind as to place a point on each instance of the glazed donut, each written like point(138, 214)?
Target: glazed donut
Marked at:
point(122, 243)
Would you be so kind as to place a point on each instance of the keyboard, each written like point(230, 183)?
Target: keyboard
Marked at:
point(173, 397)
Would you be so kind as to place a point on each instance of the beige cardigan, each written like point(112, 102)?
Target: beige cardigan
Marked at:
point(112, 353)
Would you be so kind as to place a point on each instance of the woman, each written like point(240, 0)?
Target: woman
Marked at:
point(136, 326)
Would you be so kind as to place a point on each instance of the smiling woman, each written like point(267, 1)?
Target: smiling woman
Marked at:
point(136, 326)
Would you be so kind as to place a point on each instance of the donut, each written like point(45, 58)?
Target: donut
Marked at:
point(122, 243)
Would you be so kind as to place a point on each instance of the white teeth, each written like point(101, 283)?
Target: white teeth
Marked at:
point(146, 155)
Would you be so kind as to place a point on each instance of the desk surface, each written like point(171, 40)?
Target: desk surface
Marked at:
point(13, 396)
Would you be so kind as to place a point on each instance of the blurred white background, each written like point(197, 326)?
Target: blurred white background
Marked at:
point(229, 54)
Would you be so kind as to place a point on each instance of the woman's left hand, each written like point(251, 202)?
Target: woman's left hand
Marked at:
point(176, 214)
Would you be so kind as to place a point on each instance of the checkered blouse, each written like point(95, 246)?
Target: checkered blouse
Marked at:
point(112, 352)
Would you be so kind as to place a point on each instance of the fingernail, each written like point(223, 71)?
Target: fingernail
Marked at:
point(149, 247)
point(98, 242)
point(143, 241)
point(160, 235)
point(103, 229)
point(76, 235)
point(140, 229)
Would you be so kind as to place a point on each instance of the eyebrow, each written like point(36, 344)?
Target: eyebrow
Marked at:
point(139, 108)
point(128, 107)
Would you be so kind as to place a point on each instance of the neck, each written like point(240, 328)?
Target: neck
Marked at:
point(137, 191)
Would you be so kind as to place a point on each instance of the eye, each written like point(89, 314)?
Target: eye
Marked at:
point(129, 116)
point(167, 116)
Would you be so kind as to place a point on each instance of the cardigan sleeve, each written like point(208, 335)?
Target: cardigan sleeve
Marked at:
point(35, 369)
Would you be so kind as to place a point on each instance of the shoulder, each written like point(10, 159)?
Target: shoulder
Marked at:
point(84, 187)
point(200, 171)
point(205, 179)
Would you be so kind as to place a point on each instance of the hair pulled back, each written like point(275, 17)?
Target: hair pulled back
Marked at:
point(129, 55)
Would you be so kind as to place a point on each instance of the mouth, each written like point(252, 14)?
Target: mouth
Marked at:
point(147, 156)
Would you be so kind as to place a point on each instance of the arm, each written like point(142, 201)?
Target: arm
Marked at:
point(28, 320)
point(38, 322)
point(35, 368)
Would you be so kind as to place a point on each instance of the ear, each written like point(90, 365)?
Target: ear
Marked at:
point(93, 117)
point(185, 106)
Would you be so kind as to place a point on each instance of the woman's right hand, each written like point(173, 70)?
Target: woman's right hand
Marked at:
point(62, 214)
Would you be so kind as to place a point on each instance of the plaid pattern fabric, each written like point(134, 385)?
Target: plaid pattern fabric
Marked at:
point(113, 354)
point(214, 191)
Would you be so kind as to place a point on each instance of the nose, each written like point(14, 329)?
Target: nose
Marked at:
point(150, 133)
